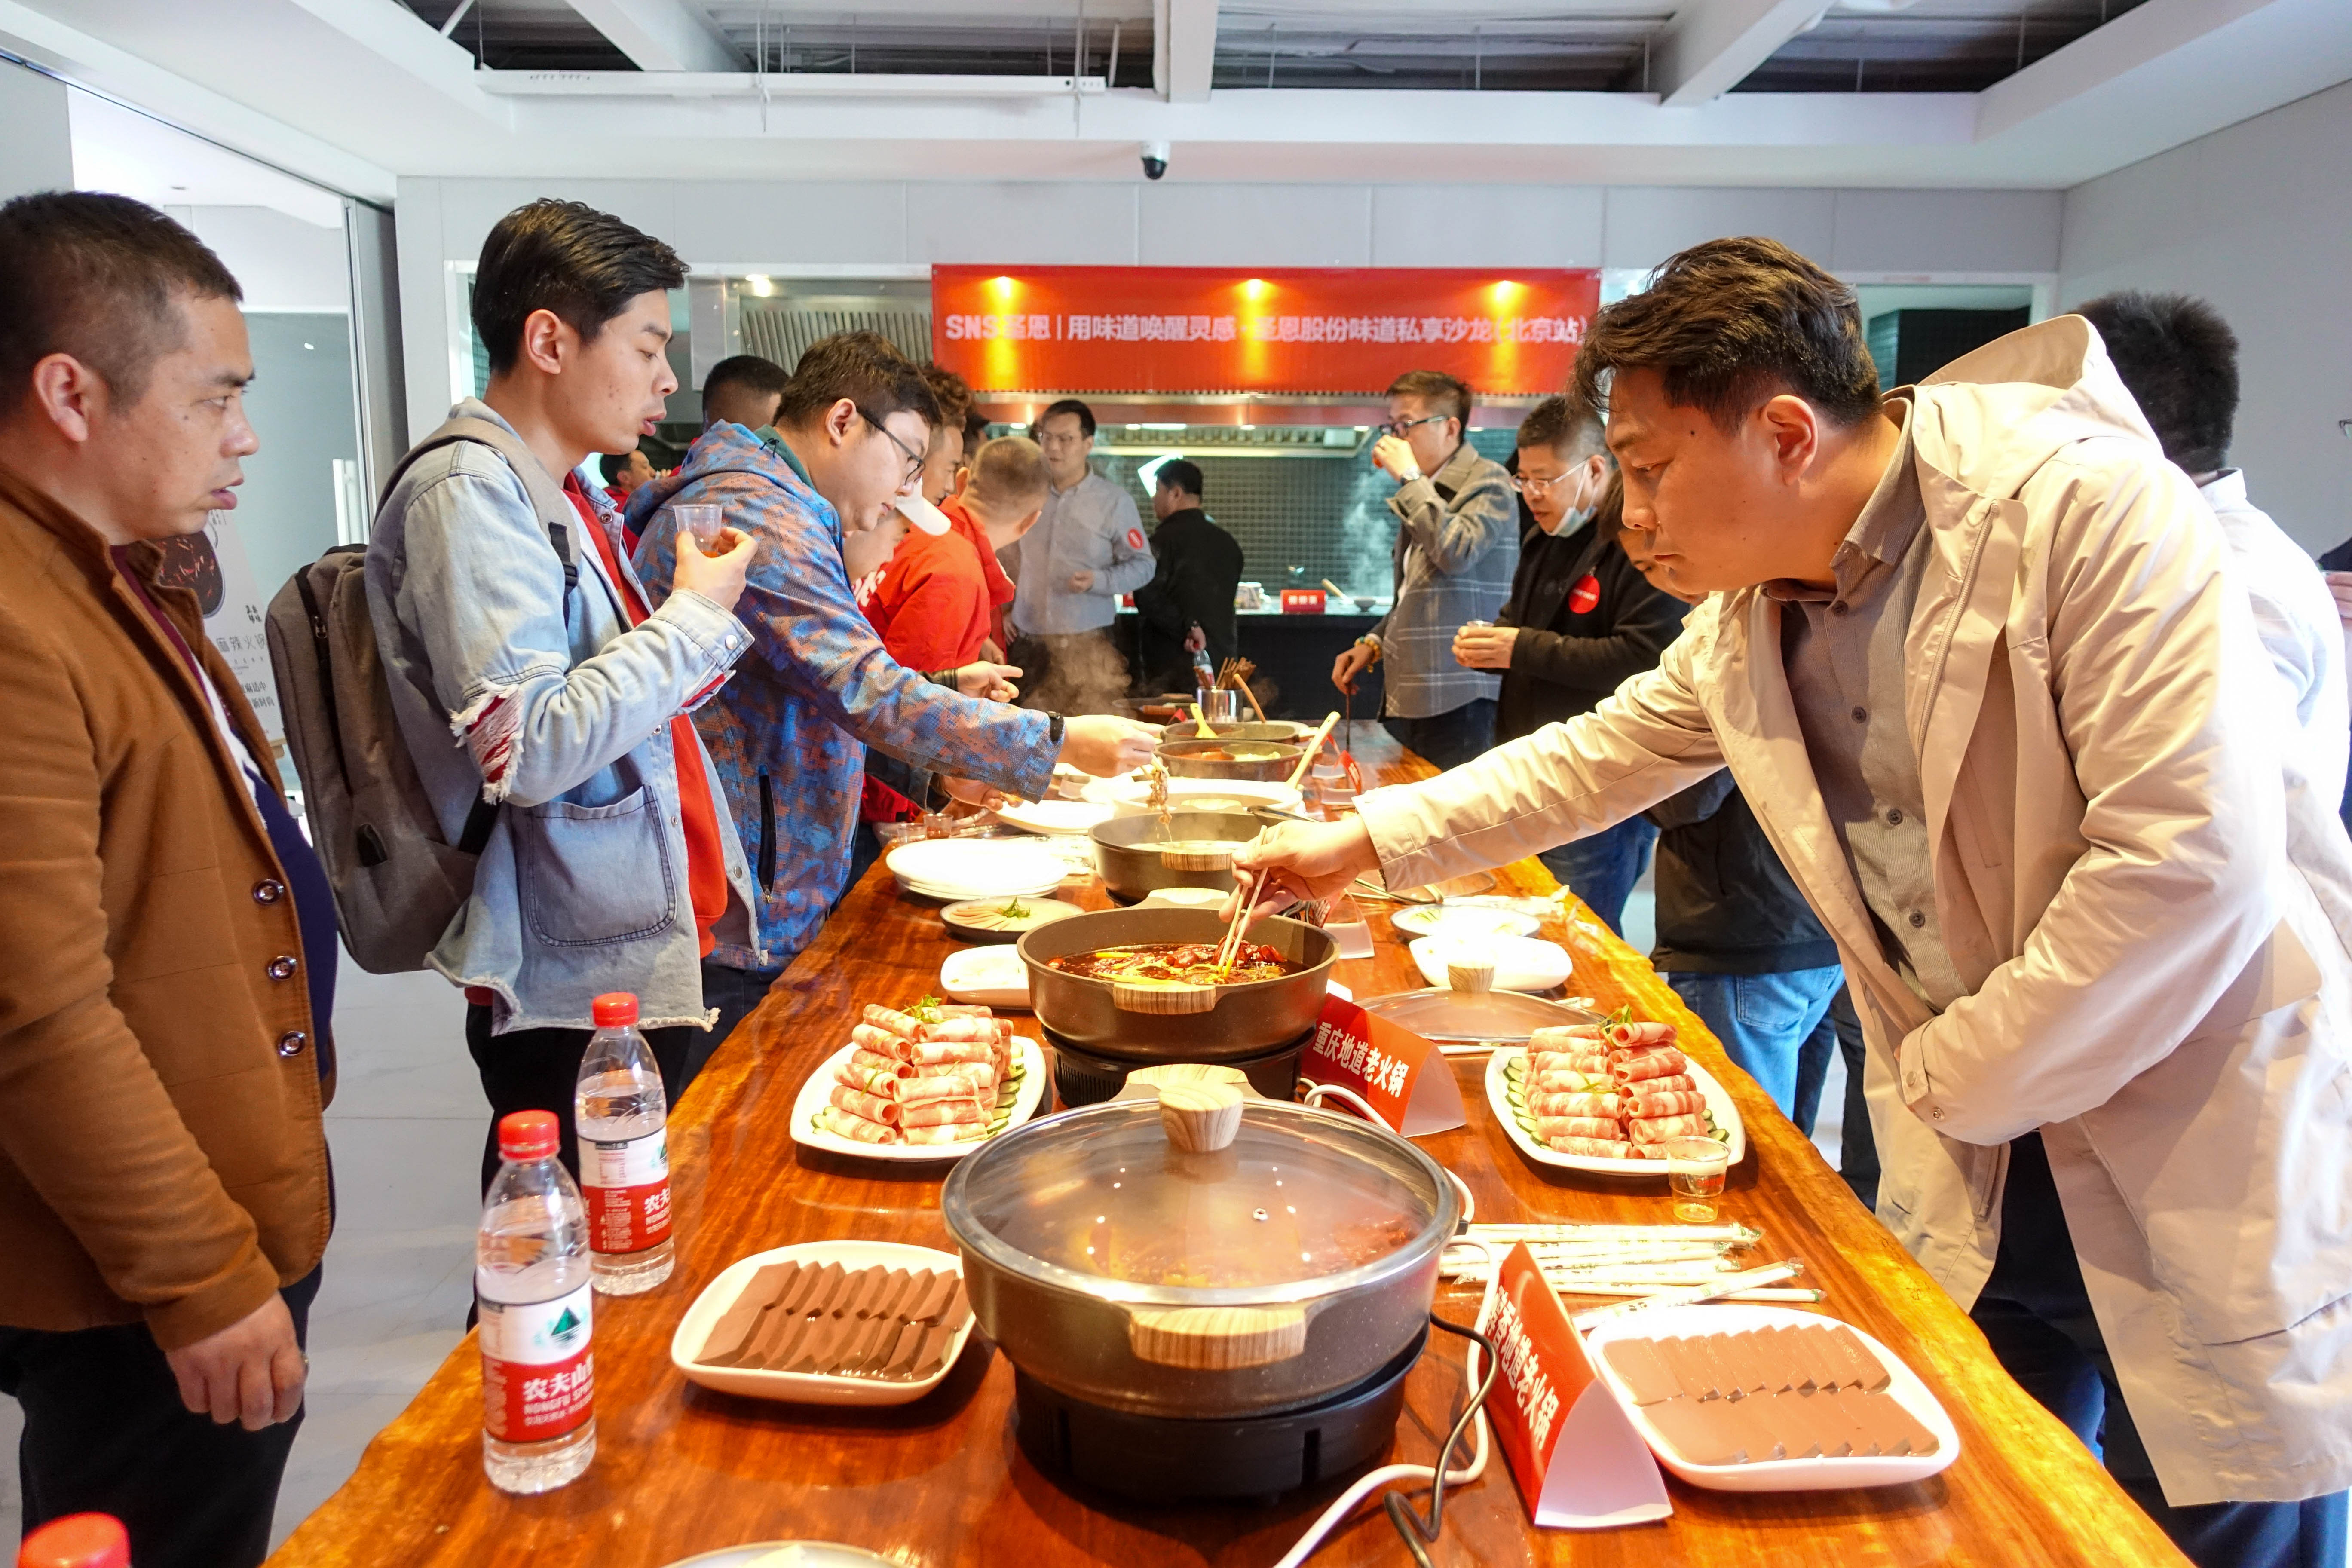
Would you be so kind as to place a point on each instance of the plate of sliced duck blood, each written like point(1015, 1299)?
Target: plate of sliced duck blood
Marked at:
point(1607, 1098)
point(930, 1082)
point(828, 1322)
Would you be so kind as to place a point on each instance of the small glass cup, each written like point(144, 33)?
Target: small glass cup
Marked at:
point(1696, 1169)
point(939, 824)
point(1218, 707)
point(703, 520)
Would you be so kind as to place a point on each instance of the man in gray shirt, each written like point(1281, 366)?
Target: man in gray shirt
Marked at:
point(1457, 545)
point(1086, 549)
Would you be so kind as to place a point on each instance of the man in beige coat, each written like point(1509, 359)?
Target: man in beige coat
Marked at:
point(1973, 653)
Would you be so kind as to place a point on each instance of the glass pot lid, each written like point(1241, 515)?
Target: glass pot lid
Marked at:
point(1301, 1201)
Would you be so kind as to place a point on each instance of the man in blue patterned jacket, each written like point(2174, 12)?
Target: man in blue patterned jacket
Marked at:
point(788, 732)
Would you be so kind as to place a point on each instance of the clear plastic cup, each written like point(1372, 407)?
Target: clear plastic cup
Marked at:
point(1695, 1170)
point(703, 520)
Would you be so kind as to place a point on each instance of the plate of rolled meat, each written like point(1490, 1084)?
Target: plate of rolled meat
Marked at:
point(929, 1083)
point(1607, 1097)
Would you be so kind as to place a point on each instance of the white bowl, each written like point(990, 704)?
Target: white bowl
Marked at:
point(1521, 963)
point(954, 868)
point(693, 1331)
point(786, 1554)
point(1776, 1475)
point(1063, 816)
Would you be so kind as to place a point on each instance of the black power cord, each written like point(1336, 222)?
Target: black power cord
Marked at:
point(1408, 1524)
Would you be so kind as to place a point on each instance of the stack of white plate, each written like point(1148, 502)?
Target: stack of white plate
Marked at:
point(952, 869)
point(1131, 796)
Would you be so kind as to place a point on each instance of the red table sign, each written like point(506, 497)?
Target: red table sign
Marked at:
point(1204, 329)
point(1576, 1456)
point(1398, 1073)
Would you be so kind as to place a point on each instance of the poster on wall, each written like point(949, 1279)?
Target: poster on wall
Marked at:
point(214, 566)
point(1208, 330)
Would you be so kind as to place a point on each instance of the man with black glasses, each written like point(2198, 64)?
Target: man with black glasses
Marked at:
point(1457, 545)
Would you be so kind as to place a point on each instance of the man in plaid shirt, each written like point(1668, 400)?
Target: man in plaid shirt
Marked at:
point(1457, 547)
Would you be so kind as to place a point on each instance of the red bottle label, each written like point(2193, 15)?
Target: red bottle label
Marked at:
point(627, 1189)
point(538, 1378)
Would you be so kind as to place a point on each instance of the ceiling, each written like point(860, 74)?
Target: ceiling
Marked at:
point(355, 94)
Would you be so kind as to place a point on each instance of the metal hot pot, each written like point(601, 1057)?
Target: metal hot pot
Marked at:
point(1138, 856)
point(1204, 1024)
point(1120, 1256)
point(1260, 762)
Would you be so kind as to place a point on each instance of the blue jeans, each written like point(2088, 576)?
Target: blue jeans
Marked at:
point(2036, 1314)
point(1602, 868)
point(1762, 1019)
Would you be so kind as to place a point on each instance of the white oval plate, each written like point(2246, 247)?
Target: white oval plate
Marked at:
point(947, 895)
point(1054, 815)
point(693, 1332)
point(1498, 1096)
point(1777, 1474)
point(990, 976)
point(975, 868)
point(1464, 922)
point(817, 1093)
point(1521, 963)
point(786, 1554)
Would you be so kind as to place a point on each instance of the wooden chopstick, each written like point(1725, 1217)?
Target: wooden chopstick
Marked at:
point(1242, 682)
point(1314, 744)
point(1230, 948)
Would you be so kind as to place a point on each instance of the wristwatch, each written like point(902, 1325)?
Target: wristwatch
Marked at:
point(1409, 475)
point(1054, 730)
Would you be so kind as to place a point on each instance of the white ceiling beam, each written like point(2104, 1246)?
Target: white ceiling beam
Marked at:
point(1713, 45)
point(661, 35)
point(777, 85)
point(401, 37)
point(1183, 48)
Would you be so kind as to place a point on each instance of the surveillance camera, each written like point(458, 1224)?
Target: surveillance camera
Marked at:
point(1155, 159)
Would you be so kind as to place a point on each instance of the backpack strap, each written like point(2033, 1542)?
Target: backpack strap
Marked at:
point(556, 515)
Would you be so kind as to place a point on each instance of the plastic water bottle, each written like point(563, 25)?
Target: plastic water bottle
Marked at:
point(76, 1540)
point(624, 1122)
point(530, 1278)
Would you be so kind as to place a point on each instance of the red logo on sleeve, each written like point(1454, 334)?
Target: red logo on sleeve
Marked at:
point(1135, 538)
point(1585, 596)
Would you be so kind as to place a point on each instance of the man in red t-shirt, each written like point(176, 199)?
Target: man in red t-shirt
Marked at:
point(934, 601)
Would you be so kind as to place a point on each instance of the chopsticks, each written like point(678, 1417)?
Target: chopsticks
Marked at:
point(1314, 745)
point(1724, 1286)
point(1230, 948)
point(1234, 676)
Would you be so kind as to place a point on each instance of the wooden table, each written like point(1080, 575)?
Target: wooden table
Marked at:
point(680, 1469)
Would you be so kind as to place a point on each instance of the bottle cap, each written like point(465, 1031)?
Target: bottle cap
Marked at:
point(76, 1540)
point(527, 1135)
point(613, 1009)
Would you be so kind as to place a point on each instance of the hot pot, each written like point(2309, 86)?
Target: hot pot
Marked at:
point(1210, 1024)
point(1259, 762)
point(1130, 851)
point(1123, 1257)
point(1284, 731)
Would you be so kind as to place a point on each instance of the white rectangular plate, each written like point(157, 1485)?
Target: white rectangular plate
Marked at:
point(990, 976)
point(817, 1093)
point(807, 1388)
point(1498, 1096)
point(1776, 1475)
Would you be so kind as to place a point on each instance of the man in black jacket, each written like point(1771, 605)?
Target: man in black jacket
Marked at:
point(1580, 621)
point(1188, 605)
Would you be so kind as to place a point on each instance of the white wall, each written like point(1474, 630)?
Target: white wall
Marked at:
point(753, 225)
point(283, 264)
point(2258, 219)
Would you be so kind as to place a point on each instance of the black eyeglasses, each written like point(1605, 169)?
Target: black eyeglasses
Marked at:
point(914, 459)
point(1397, 428)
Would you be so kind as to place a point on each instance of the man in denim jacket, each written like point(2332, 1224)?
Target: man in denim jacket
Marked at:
point(786, 733)
point(614, 865)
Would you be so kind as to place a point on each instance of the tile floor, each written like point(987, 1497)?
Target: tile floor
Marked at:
point(406, 1130)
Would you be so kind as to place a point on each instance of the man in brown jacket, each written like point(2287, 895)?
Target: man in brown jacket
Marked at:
point(170, 939)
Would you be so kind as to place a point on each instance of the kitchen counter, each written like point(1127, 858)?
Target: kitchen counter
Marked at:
point(680, 1469)
point(1293, 654)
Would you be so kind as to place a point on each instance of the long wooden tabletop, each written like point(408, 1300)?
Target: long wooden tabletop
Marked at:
point(680, 1469)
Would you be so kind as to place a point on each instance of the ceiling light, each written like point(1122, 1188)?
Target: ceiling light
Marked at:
point(761, 284)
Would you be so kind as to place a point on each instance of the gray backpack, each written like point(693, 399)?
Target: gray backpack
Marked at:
point(398, 882)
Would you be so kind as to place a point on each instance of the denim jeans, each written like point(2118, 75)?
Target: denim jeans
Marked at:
point(1602, 868)
point(1448, 740)
point(2037, 1316)
point(1762, 1019)
point(1839, 1034)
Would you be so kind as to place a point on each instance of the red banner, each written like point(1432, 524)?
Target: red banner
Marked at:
point(1312, 330)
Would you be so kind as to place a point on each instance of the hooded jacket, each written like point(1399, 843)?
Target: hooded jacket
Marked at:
point(2144, 895)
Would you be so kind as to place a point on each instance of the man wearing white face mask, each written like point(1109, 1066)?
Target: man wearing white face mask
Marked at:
point(1580, 621)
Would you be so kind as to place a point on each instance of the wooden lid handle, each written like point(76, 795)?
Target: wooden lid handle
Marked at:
point(1200, 1117)
point(1167, 1073)
point(1470, 975)
point(1216, 1339)
point(1162, 1001)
